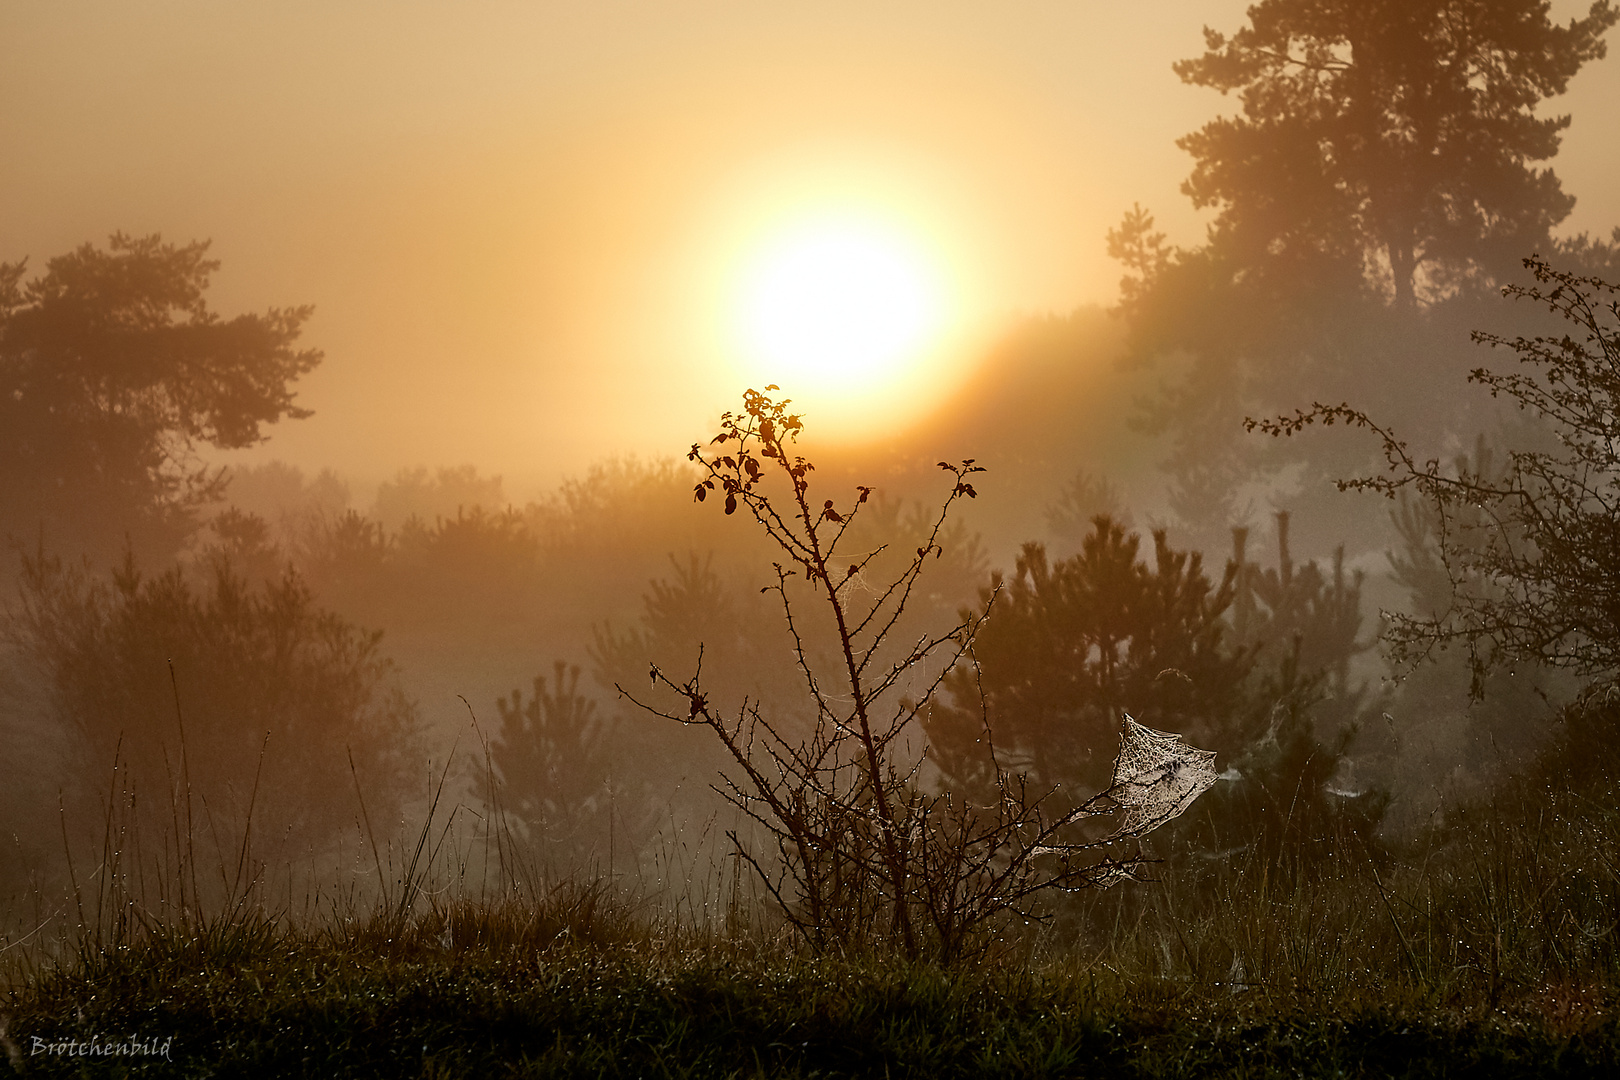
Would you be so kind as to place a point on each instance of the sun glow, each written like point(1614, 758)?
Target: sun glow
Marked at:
point(839, 311)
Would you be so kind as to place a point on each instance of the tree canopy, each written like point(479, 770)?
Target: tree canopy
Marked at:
point(1397, 137)
point(1382, 173)
point(113, 369)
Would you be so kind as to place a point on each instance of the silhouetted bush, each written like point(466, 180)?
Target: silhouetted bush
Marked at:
point(856, 855)
point(1293, 785)
point(1527, 552)
point(1584, 752)
point(1075, 644)
point(1255, 667)
point(1514, 563)
point(1288, 792)
point(292, 503)
point(446, 493)
point(240, 692)
point(559, 769)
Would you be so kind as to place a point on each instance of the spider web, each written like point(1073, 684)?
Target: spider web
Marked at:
point(856, 582)
point(1156, 777)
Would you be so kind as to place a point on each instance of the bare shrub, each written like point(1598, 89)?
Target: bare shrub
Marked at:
point(863, 857)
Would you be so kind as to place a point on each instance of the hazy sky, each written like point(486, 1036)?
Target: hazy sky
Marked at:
point(521, 223)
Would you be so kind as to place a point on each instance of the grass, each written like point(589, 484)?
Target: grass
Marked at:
point(1489, 948)
point(323, 1005)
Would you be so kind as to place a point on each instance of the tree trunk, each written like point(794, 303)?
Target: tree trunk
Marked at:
point(1403, 267)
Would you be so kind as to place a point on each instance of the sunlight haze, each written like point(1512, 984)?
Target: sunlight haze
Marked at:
point(842, 309)
point(502, 207)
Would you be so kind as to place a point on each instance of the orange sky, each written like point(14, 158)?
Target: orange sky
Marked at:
point(514, 218)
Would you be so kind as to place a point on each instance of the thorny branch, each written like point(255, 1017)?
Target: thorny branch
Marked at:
point(860, 849)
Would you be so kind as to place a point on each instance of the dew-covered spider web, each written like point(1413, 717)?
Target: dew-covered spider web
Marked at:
point(1156, 777)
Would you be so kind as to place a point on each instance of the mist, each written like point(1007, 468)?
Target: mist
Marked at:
point(375, 430)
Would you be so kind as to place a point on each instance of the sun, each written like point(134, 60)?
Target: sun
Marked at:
point(840, 308)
